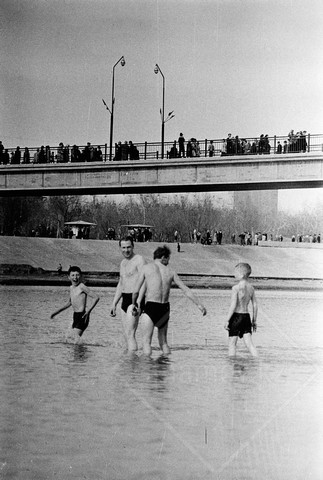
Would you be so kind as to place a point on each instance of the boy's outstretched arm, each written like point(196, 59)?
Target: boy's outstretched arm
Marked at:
point(67, 305)
point(233, 304)
point(189, 294)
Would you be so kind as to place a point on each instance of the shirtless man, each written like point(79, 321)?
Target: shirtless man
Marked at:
point(158, 278)
point(130, 268)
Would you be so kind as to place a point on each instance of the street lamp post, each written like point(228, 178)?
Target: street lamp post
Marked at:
point(162, 111)
point(123, 62)
point(156, 70)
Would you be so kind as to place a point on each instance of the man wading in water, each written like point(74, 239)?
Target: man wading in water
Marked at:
point(158, 278)
point(130, 268)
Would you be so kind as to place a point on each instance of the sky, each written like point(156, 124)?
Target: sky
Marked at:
point(241, 66)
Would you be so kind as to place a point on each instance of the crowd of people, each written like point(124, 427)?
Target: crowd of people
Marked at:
point(126, 151)
point(46, 154)
point(241, 146)
point(295, 143)
point(65, 154)
point(308, 238)
point(208, 237)
point(214, 237)
point(232, 145)
point(189, 150)
point(247, 238)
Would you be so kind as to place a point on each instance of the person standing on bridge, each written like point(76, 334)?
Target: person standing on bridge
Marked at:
point(181, 145)
point(16, 159)
point(1, 151)
point(211, 149)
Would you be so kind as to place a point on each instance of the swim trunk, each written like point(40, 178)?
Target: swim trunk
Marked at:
point(158, 313)
point(79, 322)
point(127, 300)
point(239, 324)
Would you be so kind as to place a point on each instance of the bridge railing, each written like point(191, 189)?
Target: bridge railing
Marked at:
point(311, 143)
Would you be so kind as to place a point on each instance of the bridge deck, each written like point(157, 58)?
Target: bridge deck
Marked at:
point(247, 172)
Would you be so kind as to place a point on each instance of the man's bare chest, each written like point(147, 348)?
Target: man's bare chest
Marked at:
point(129, 269)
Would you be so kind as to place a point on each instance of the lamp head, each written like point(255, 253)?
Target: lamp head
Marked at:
point(156, 69)
point(123, 62)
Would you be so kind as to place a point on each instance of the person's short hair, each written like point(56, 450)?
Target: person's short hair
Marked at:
point(74, 268)
point(161, 252)
point(244, 268)
point(127, 238)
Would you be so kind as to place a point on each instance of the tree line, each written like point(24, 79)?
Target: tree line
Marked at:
point(46, 216)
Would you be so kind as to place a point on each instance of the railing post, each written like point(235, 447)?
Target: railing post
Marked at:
point(157, 154)
point(145, 152)
point(275, 138)
point(105, 151)
point(308, 142)
point(205, 147)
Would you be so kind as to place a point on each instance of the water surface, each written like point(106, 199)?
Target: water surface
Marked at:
point(94, 412)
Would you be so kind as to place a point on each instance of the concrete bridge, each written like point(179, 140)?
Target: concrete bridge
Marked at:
point(247, 172)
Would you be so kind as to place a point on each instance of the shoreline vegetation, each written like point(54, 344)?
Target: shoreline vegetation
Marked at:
point(34, 261)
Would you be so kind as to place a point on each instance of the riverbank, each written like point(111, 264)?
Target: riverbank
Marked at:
point(34, 261)
point(47, 278)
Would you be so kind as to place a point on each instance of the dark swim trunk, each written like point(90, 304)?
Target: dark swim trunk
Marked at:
point(239, 324)
point(79, 322)
point(158, 313)
point(127, 300)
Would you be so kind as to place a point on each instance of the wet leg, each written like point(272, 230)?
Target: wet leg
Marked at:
point(232, 346)
point(249, 344)
point(130, 324)
point(70, 335)
point(147, 332)
point(162, 338)
point(77, 334)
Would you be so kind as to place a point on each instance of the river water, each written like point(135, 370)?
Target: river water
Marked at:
point(94, 412)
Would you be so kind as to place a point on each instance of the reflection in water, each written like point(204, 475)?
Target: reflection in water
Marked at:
point(159, 373)
point(80, 353)
point(148, 372)
point(244, 366)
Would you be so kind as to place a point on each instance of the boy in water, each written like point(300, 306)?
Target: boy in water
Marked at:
point(78, 300)
point(238, 321)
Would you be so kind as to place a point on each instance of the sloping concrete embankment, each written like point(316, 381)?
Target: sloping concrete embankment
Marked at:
point(33, 261)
